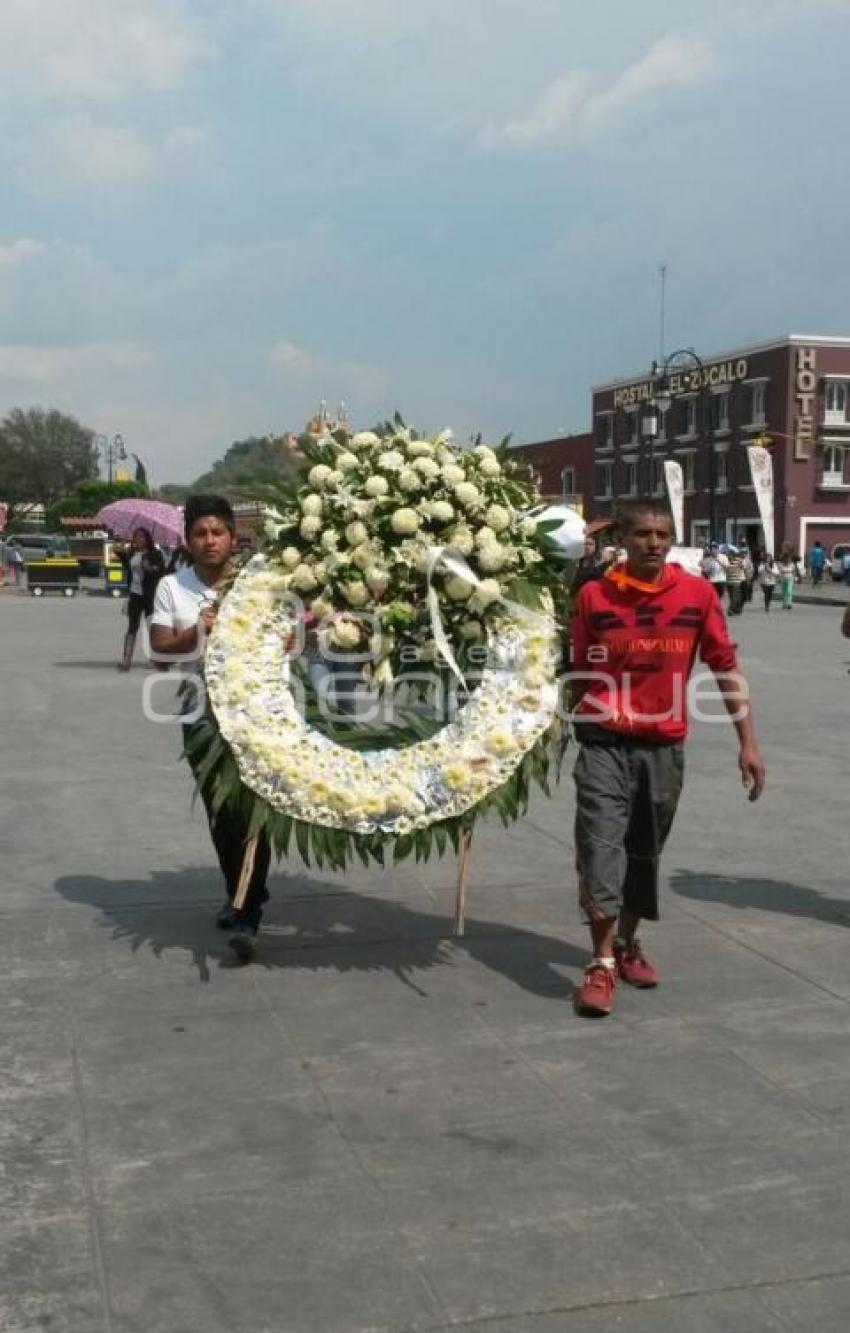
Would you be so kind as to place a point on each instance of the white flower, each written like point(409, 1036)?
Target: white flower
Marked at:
point(310, 527)
point(303, 578)
point(318, 475)
point(329, 540)
point(485, 593)
point(321, 606)
point(364, 439)
point(356, 594)
point(377, 579)
point(320, 569)
point(272, 529)
point(460, 537)
point(485, 537)
point(441, 511)
point(409, 480)
point(356, 533)
point(311, 504)
point(493, 557)
point(420, 449)
point(483, 451)
point(427, 467)
point(498, 517)
point(458, 589)
point(528, 528)
point(415, 554)
point(405, 522)
point(345, 461)
point(362, 556)
point(467, 494)
point(334, 481)
point(470, 629)
point(290, 557)
point(376, 486)
point(452, 474)
point(345, 633)
point(391, 461)
point(491, 467)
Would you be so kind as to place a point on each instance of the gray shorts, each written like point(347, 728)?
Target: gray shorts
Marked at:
point(626, 799)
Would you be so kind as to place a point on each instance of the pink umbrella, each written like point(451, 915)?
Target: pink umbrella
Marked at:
point(164, 522)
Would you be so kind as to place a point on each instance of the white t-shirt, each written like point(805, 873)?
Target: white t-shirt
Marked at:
point(180, 598)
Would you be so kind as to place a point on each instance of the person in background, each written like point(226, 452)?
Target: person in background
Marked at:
point(767, 577)
point(143, 568)
point(788, 571)
point(817, 564)
point(714, 569)
point(749, 573)
point(184, 612)
point(590, 566)
point(845, 566)
point(735, 580)
point(15, 556)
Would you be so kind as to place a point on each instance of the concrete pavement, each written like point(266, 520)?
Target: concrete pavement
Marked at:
point(380, 1128)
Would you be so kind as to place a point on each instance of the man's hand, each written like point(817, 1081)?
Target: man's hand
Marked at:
point(751, 765)
point(207, 617)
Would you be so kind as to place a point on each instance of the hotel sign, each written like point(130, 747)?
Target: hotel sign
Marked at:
point(805, 386)
point(683, 381)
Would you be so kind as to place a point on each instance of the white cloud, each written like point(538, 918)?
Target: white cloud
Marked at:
point(29, 363)
point(292, 359)
point(330, 376)
point(11, 256)
point(96, 48)
point(569, 107)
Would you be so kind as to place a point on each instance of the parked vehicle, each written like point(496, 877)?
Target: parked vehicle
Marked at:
point(39, 545)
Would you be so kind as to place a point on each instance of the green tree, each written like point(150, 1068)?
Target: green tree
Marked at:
point(253, 469)
point(44, 455)
point(90, 496)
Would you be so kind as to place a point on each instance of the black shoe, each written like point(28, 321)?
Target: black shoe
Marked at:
point(243, 941)
point(227, 916)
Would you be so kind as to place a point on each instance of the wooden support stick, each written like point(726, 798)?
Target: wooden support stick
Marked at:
point(245, 873)
point(462, 881)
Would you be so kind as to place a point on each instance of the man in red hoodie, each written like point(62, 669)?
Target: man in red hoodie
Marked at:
point(635, 638)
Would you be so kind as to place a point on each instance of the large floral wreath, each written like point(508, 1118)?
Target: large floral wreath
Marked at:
point(387, 667)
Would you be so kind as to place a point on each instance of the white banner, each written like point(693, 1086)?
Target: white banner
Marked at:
point(761, 471)
point(676, 491)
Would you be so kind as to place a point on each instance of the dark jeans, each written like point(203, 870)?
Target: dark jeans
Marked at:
point(736, 598)
point(768, 591)
point(229, 830)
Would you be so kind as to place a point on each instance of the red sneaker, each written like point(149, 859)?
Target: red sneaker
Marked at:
point(633, 967)
point(596, 995)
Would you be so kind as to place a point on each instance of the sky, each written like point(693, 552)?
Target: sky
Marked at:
point(216, 213)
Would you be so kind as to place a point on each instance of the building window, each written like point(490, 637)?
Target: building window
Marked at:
point(658, 483)
point(604, 481)
point(720, 411)
point(631, 426)
point(568, 482)
point(833, 465)
point(605, 430)
point(835, 404)
point(689, 416)
point(758, 393)
point(688, 462)
point(721, 470)
point(631, 476)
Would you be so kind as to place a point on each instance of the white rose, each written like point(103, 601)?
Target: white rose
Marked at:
point(318, 475)
point(405, 522)
point(356, 533)
point(420, 449)
point(362, 556)
point(485, 593)
point(452, 474)
point(364, 439)
point(310, 527)
point(311, 504)
point(329, 540)
point(376, 486)
point(377, 579)
point(345, 461)
point(458, 589)
point(416, 554)
point(441, 511)
point(492, 558)
point(290, 557)
point(460, 538)
point(491, 467)
point(320, 569)
point(483, 451)
point(356, 594)
point(391, 461)
point(321, 607)
point(528, 528)
point(409, 480)
point(427, 467)
point(485, 537)
point(345, 634)
point(303, 578)
point(467, 494)
point(498, 517)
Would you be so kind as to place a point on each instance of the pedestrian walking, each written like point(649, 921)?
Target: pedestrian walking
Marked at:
point(184, 612)
point(789, 574)
point(15, 556)
point(636, 634)
point(714, 566)
point(735, 577)
point(143, 567)
point(767, 578)
point(817, 564)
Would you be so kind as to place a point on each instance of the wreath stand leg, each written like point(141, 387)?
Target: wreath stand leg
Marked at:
point(245, 873)
point(462, 881)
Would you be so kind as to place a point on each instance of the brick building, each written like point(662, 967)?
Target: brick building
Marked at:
point(793, 393)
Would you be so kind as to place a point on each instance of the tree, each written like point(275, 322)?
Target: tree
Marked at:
point(253, 469)
point(43, 456)
point(89, 497)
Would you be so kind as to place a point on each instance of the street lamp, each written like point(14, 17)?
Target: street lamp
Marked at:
point(113, 452)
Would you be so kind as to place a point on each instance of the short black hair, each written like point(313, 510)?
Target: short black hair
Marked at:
point(626, 512)
point(207, 506)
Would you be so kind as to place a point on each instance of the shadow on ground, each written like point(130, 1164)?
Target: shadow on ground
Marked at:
point(762, 895)
point(314, 925)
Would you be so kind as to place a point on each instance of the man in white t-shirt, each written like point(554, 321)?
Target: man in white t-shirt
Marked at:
point(184, 611)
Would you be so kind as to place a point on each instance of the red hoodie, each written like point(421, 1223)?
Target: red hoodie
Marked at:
point(636, 649)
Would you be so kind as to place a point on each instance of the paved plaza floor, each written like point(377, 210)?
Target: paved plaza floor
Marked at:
point(378, 1127)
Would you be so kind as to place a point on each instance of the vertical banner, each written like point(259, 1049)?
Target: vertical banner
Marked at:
point(676, 491)
point(761, 471)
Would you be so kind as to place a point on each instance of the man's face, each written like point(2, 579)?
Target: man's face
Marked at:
point(590, 546)
point(648, 543)
point(210, 542)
